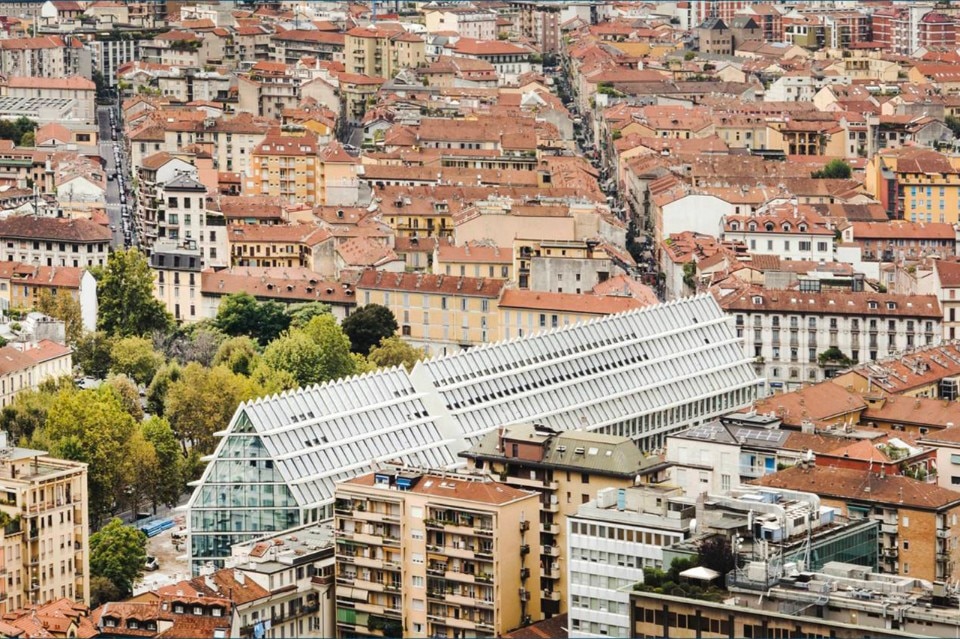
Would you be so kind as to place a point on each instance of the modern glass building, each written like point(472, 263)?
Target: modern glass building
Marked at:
point(641, 374)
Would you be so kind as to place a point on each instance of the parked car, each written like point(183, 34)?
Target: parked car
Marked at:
point(151, 563)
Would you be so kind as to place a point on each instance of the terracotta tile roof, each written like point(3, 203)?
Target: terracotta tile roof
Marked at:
point(39, 42)
point(57, 229)
point(307, 234)
point(54, 619)
point(833, 303)
point(902, 229)
point(485, 492)
point(819, 442)
point(817, 403)
point(364, 252)
point(474, 253)
point(284, 284)
point(12, 360)
point(927, 411)
point(948, 272)
point(471, 46)
point(47, 350)
point(251, 206)
point(581, 304)
point(431, 284)
point(899, 374)
point(229, 584)
point(74, 82)
point(897, 491)
point(553, 628)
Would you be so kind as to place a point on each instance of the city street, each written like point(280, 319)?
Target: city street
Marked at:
point(113, 195)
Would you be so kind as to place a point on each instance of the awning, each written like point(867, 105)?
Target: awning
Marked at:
point(700, 574)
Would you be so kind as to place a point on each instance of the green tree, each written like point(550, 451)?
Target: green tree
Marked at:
point(26, 414)
point(393, 351)
point(368, 325)
point(102, 591)
point(157, 391)
point(135, 358)
point(239, 354)
point(954, 123)
point(318, 352)
point(270, 381)
point(91, 426)
point(168, 482)
point(301, 314)
point(28, 139)
point(118, 553)
point(689, 55)
point(202, 402)
point(127, 393)
point(91, 353)
point(141, 469)
point(125, 295)
point(835, 169)
point(242, 314)
point(63, 307)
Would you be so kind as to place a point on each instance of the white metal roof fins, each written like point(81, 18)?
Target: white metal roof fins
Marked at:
point(621, 374)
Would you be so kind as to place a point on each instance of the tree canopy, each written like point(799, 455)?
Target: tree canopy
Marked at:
point(64, 307)
point(202, 401)
point(318, 352)
point(118, 553)
point(368, 325)
point(135, 358)
point(242, 314)
point(127, 305)
point(393, 351)
point(835, 169)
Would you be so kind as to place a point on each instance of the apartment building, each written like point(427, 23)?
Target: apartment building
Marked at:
point(424, 554)
point(524, 312)
point(280, 245)
point(473, 259)
point(439, 313)
point(897, 240)
point(566, 469)
point(284, 285)
point(915, 184)
point(593, 375)
point(27, 365)
point(284, 165)
point(382, 50)
point(917, 518)
point(790, 230)
point(177, 285)
point(302, 557)
point(292, 45)
point(470, 21)
point(541, 21)
point(81, 90)
point(37, 57)
point(50, 241)
point(610, 540)
point(793, 334)
point(20, 285)
point(566, 266)
point(183, 216)
point(267, 89)
point(45, 546)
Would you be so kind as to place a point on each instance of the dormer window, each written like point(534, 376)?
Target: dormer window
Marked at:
point(198, 610)
point(786, 227)
point(802, 228)
point(133, 624)
point(891, 306)
point(734, 226)
point(178, 608)
point(768, 226)
point(872, 305)
point(757, 299)
point(752, 227)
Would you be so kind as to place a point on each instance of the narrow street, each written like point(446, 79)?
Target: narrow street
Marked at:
point(118, 205)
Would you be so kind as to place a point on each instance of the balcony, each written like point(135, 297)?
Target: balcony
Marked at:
point(460, 600)
point(551, 529)
point(549, 595)
point(943, 533)
point(551, 551)
point(465, 624)
point(373, 540)
point(367, 562)
point(461, 552)
point(465, 577)
point(890, 528)
point(372, 586)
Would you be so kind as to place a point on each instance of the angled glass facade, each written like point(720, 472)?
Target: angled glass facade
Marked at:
point(242, 496)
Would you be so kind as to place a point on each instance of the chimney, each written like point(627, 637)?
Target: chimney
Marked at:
point(240, 577)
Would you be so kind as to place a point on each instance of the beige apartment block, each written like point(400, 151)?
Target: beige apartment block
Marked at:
point(46, 540)
point(567, 469)
point(422, 554)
